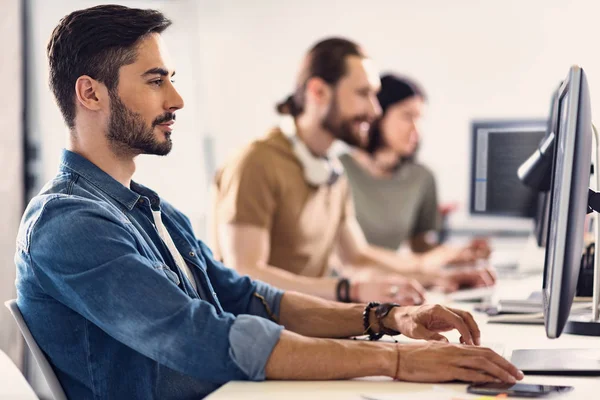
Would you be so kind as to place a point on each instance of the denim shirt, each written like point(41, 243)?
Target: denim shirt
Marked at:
point(106, 302)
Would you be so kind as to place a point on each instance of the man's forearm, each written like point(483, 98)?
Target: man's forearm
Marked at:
point(321, 287)
point(312, 316)
point(297, 357)
point(409, 265)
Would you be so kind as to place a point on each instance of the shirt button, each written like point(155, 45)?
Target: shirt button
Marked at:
point(192, 254)
point(141, 201)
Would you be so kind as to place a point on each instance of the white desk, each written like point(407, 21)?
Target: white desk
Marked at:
point(510, 336)
point(13, 385)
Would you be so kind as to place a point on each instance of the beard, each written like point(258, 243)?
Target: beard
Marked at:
point(343, 129)
point(129, 134)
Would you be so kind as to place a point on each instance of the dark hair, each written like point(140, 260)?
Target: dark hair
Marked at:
point(325, 60)
point(394, 89)
point(96, 41)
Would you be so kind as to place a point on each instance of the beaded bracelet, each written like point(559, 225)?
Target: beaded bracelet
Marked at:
point(381, 311)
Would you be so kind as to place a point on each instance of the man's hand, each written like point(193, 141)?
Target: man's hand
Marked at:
point(427, 321)
point(387, 290)
point(473, 254)
point(477, 249)
point(454, 278)
point(443, 362)
point(439, 361)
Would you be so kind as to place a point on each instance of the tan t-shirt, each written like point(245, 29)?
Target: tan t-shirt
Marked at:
point(264, 186)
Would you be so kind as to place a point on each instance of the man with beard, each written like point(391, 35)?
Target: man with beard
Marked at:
point(283, 207)
point(122, 298)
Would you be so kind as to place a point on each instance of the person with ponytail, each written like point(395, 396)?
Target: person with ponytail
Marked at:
point(283, 207)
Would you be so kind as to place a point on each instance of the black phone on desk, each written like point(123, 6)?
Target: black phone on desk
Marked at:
point(516, 390)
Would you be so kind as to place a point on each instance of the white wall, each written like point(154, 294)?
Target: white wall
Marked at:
point(236, 58)
point(11, 178)
point(475, 59)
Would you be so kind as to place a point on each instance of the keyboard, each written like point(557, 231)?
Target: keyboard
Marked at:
point(536, 318)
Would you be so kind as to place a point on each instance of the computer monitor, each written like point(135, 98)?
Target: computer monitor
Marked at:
point(568, 206)
point(568, 198)
point(498, 149)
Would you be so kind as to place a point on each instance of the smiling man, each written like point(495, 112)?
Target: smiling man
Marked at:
point(283, 207)
point(123, 299)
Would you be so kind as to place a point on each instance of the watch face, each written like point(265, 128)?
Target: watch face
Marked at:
point(380, 313)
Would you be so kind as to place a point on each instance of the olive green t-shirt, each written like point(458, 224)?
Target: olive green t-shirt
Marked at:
point(394, 209)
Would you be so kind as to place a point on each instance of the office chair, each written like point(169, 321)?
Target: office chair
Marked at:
point(12, 382)
point(38, 354)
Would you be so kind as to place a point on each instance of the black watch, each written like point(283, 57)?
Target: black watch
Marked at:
point(381, 311)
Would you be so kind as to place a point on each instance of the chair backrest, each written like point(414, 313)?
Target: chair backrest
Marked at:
point(38, 354)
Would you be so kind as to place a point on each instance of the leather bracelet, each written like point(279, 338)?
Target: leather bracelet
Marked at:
point(342, 290)
point(396, 377)
point(367, 323)
point(381, 312)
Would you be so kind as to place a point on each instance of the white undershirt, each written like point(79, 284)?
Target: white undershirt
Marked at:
point(164, 235)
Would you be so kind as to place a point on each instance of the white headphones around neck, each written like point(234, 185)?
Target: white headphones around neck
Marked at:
point(318, 171)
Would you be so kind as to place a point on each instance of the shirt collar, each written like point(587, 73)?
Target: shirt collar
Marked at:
point(127, 197)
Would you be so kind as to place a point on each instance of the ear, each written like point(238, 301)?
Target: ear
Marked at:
point(319, 91)
point(90, 93)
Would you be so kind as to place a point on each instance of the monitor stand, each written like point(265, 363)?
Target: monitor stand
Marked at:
point(583, 325)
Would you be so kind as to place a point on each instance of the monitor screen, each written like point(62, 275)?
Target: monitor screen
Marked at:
point(499, 148)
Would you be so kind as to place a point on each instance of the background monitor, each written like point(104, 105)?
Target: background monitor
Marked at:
point(568, 199)
point(498, 149)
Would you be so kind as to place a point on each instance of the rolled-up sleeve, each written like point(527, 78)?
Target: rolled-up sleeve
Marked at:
point(271, 295)
point(87, 258)
point(252, 341)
